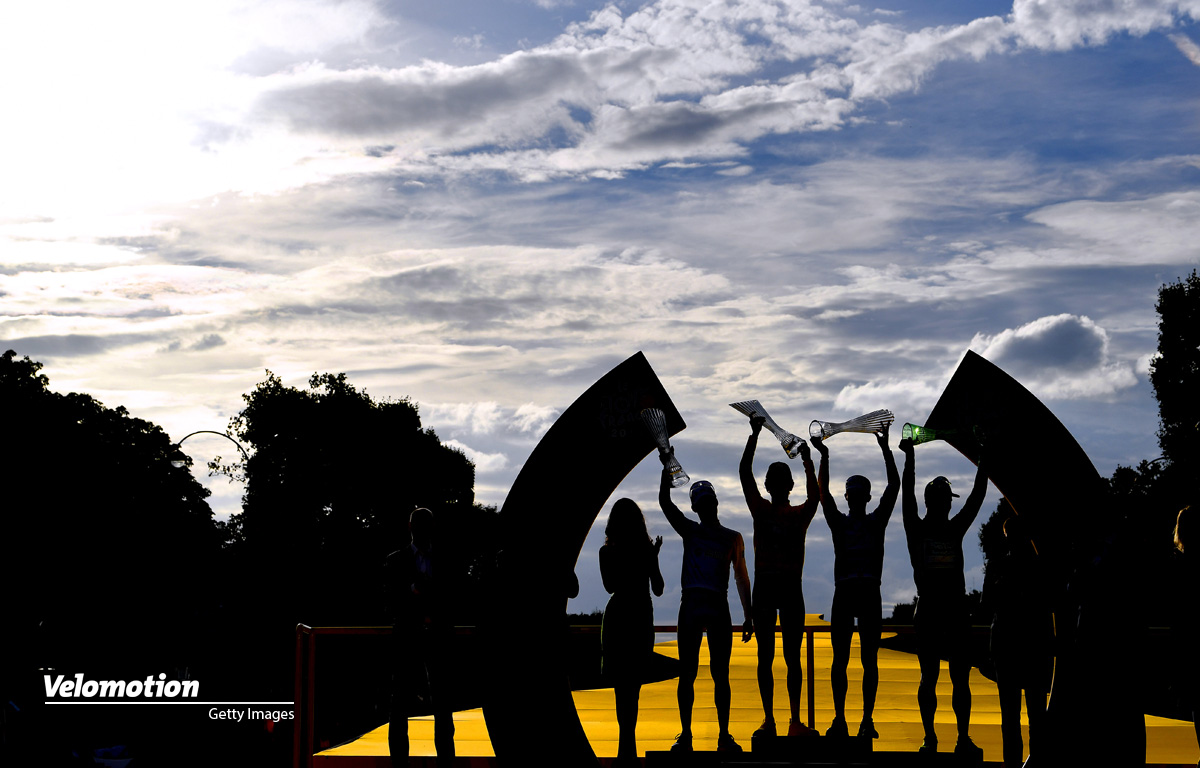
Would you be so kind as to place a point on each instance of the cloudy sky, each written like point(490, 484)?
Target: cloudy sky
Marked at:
point(486, 204)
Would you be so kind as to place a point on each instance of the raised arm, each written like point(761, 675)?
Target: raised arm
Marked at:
point(970, 508)
point(742, 579)
point(908, 494)
point(746, 467)
point(812, 488)
point(888, 501)
point(674, 516)
point(828, 505)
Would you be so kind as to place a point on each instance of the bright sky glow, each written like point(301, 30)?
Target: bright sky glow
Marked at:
point(486, 205)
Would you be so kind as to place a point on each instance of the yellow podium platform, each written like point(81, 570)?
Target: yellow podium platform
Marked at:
point(897, 718)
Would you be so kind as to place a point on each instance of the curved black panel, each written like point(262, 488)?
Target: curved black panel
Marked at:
point(1092, 571)
point(553, 502)
point(1031, 457)
point(585, 455)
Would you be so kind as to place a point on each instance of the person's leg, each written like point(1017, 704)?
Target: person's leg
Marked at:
point(627, 694)
point(841, 633)
point(931, 668)
point(764, 631)
point(870, 622)
point(398, 719)
point(791, 623)
point(927, 691)
point(1035, 707)
point(1010, 716)
point(436, 652)
point(1036, 689)
point(960, 673)
point(690, 631)
point(720, 647)
point(1196, 716)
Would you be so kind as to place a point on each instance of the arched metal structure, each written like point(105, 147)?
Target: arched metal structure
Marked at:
point(1048, 479)
point(1032, 458)
point(556, 497)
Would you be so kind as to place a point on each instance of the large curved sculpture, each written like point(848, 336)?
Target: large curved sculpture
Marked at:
point(556, 497)
point(1043, 472)
point(1032, 459)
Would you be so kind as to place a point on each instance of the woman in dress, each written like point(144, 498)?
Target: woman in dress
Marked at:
point(629, 568)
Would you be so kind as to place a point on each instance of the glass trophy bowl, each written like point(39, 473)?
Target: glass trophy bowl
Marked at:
point(870, 423)
point(656, 421)
point(791, 444)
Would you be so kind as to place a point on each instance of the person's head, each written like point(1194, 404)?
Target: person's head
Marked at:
point(779, 480)
point(704, 500)
point(858, 492)
point(420, 526)
point(937, 496)
point(1181, 526)
point(626, 524)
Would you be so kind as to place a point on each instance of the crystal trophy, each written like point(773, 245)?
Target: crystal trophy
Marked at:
point(656, 421)
point(791, 444)
point(919, 434)
point(870, 423)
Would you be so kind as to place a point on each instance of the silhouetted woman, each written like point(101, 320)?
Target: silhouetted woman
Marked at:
point(1187, 624)
point(629, 568)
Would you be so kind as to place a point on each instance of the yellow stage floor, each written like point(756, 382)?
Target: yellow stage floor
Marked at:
point(897, 717)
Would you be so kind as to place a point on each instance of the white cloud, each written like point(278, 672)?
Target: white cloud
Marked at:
point(484, 462)
point(1066, 24)
point(534, 418)
point(663, 83)
point(479, 418)
point(1059, 357)
point(1160, 229)
point(904, 397)
point(1187, 47)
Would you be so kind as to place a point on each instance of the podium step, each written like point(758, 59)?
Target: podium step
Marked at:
point(809, 751)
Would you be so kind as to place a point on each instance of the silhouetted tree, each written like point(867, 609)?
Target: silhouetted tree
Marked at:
point(333, 476)
point(1175, 374)
point(1150, 494)
point(107, 547)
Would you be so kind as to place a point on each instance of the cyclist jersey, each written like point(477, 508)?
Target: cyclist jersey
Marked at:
point(707, 553)
point(779, 536)
point(857, 546)
point(937, 558)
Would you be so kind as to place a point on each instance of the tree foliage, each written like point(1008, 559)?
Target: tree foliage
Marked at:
point(100, 531)
point(332, 479)
point(1150, 494)
point(1156, 489)
point(1175, 374)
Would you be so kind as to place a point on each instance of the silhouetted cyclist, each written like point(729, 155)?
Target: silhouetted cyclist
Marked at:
point(421, 635)
point(942, 619)
point(857, 574)
point(708, 550)
point(779, 530)
point(1022, 639)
